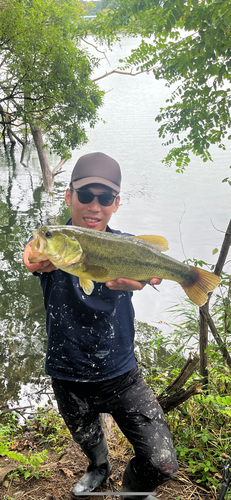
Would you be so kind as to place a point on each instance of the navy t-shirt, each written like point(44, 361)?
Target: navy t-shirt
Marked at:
point(90, 337)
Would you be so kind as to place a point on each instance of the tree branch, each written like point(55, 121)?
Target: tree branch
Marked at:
point(96, 48)
point(176, 387)
point(54, 171)
point(168, 403)
point(129, 73)
point(184, 374)
point(204, 309)
point(216, 336)
point(18, 138)
point(224, 251)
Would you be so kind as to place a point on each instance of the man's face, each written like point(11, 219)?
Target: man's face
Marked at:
point(92, 215)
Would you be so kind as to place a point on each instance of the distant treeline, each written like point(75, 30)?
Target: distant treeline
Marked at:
point(99, 5)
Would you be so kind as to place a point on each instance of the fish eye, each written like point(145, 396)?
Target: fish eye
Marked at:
point(48, 234)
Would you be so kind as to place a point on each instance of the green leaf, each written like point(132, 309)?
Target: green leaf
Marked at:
point(50, 76)
point(199, 62)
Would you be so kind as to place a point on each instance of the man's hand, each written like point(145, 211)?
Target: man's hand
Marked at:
point(130, 285)
point(40, 267)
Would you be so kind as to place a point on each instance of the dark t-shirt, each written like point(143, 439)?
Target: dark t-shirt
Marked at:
point(90, 338)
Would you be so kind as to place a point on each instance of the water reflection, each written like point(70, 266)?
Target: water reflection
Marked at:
point(24, 206)
point(22, 318)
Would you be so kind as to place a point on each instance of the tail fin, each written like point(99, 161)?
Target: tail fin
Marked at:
point(202, 283)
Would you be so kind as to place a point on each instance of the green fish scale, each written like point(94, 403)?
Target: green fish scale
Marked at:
point(111, 256)
point(131, 258)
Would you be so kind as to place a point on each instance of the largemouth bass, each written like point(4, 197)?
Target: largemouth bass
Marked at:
point(101, 256)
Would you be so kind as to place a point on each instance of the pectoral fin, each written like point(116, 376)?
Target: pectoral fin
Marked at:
point(158, 241)
point(96, 272)
point(86, 285)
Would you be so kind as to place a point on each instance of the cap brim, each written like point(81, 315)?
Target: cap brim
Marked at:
point(95, 180)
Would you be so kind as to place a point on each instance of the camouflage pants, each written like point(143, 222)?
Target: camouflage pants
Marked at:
point(135, 409)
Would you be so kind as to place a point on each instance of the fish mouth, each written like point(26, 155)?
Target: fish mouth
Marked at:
point(39, 244)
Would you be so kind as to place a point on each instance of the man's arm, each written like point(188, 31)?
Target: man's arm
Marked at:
point(40, 267)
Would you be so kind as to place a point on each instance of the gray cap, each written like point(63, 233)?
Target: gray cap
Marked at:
point(96, 168)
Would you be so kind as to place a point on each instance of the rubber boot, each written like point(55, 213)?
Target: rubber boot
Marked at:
point(130, 484)
point(98, 470)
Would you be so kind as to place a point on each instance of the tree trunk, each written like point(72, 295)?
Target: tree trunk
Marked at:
point(6, 127)
point(10, 135)
point(217, 337)
point(185, 373)
point(204, 344)
point(224, 251)
point(205, 318)
point(168, 403)
point(48, 177)
point(176, 393)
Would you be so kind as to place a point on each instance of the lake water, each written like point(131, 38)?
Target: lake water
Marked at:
point(191, 210)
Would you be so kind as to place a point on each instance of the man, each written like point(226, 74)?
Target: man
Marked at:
point(90, 354)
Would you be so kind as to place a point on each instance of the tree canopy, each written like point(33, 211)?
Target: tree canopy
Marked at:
point(46, 82)
point(46, 74)
point(188, 44)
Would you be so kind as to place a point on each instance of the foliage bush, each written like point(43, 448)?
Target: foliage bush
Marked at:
point(201, 427)
point(47, 425)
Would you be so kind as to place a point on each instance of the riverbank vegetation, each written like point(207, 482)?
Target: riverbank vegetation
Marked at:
point(38, 455)
point(39, 460)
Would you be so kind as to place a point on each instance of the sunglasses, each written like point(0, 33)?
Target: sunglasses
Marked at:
point(86, 197)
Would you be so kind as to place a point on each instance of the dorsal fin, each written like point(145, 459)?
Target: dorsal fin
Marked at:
point(158, 241)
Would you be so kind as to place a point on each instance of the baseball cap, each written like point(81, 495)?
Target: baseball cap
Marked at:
point(96, 168)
